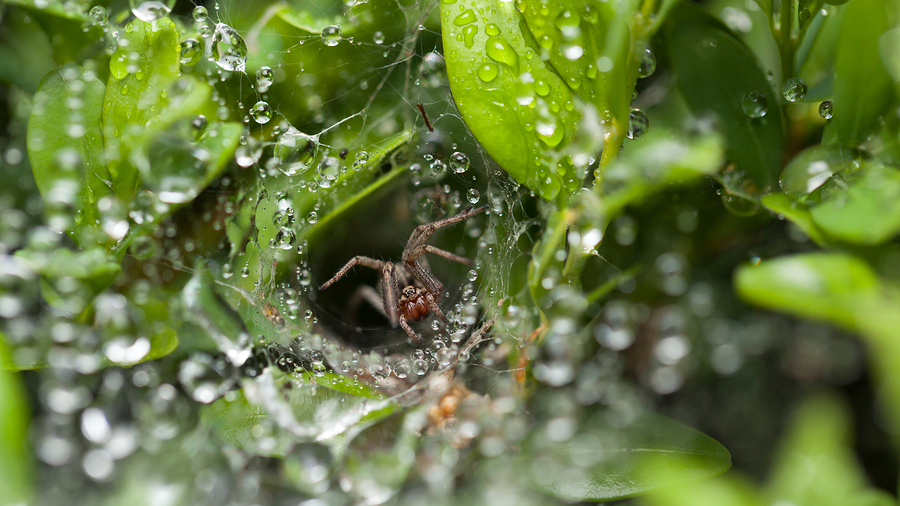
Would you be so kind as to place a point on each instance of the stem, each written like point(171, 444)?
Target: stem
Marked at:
point(613, 142)
point(786, 44)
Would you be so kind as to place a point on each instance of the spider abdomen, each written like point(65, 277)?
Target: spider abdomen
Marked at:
point(413, 304)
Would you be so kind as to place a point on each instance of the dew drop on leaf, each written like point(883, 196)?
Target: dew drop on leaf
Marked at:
point(261, 112)
point(150, 10)
point(826, 109)
point(794, 89)
point(459, 162)
point(99, 14)
point(487, 72)
point(312, 217)
point(264, 78)
point(296, 151)
point(378, 37)
point(285, 238)
point(331, 35)
point(228, 48)
point(638, 123)
point(755, 104)
point(648, 64)
point(200, 14)
point(191, 50)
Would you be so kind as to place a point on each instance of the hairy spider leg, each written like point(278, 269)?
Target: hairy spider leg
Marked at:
point(423, 232)
point(371, 263)
point(390, 294)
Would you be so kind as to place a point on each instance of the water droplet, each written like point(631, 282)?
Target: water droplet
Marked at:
point(433, 70)
point(573, 52)
point(402, 368)
point(285, 239)
point(198, 125)
point(648, 64)
point(191, 51)
point(487, 72)
point(804, 14)
point(472, 275)
point(264, 78)
point(378, 37)
point(638, 123)
point(473, 196)
point(459, 162)
point(329, 169)
point(331, 35)
point(150, 10)
point(312, 217)
point(500, 51)
point(826, 109)
point(492, 30)
point(420, 367)
point(261, 112)
point(100, 16)
point(200, 14)
point(437, 167)
point(739, 206)
point(229, 48)
point(296, 150)
point(755, 104)
point(465, 18)
point(794, 89)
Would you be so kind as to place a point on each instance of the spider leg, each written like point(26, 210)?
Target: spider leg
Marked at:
point(390, 294)
point(357, 260)
point(432, 303)
point(427, 248)
point(428, 280)
point(423, 232)
point(412, 333)
point(368, 294)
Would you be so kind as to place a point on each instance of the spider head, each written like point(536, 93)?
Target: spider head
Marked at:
point(413, 304)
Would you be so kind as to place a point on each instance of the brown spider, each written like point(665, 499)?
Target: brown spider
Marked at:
point(421, 289)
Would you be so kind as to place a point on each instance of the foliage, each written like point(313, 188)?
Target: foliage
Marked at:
point(191, 176)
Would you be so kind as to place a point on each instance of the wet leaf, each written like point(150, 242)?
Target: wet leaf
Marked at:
point(516, 104)
point(268, 417)
point(840, 289)
point(379, 457)
point(699, 48)
point(796, 212)
point(16, 477)
point(616, 463)
point(72, 33)
point(862, 87)
point(867, 211)
point(140, 72)
point(813, 167)
point(815, 464)
point(65, 142)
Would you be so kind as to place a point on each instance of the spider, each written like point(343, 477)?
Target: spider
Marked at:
point(420, 290)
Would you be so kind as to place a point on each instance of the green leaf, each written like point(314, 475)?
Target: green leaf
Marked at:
point(599, 35)
point(72, 33)
point(813, 167)
point(700, 48)
point(315, 413)
point(609, 463)
point(815, 464)
point(862, 87)
point(140, 72)
point(379, 457)
point(16, 474)
point(65, 142)
point(867, 212)
point(71, 279)
point(519, 109)
point(824, 286)
point(796, 212)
